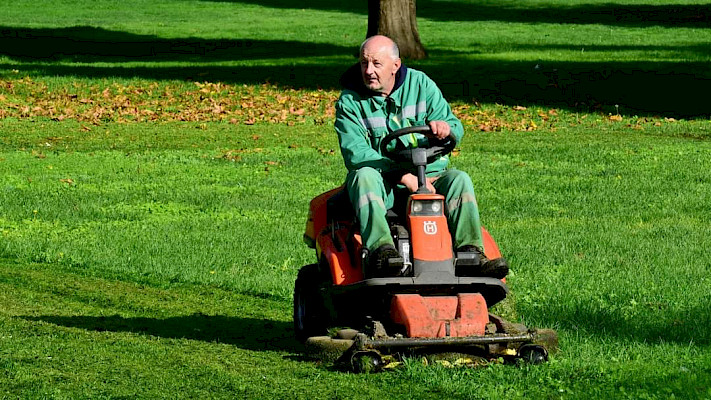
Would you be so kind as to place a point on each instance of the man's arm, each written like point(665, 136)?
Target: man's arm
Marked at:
point(439, 114)
point(442, 122)
point(354, 140)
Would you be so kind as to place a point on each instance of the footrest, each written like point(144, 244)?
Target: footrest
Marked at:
point(467, 259)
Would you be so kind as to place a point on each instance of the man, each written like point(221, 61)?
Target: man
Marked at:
point(381, 95)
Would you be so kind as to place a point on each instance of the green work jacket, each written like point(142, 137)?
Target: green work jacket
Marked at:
point(364, 118)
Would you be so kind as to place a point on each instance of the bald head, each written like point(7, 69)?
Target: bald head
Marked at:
point(379, 42)
point(379, 62)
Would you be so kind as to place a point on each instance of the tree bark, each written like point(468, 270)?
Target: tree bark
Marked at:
point(397, 20)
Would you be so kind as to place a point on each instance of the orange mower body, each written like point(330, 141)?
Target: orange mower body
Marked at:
point(427, 308)
point(433, 304)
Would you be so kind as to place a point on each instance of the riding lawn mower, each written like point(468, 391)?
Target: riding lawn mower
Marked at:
point(345, 313)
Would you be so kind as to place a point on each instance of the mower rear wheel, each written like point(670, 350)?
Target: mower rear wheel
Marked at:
point(311, 318)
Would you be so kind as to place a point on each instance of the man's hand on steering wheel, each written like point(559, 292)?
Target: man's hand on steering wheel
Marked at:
point(434, 150)
point(442, 143)
point(440, 129)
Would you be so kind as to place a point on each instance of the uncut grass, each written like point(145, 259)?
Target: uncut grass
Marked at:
point(624, 219)
point(605, 232)
point(181, 214)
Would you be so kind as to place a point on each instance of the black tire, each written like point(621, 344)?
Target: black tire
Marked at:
point(311, 317)
point(366, 362)
point(533, 354)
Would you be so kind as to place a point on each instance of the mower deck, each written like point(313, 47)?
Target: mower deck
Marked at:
point(361, 352)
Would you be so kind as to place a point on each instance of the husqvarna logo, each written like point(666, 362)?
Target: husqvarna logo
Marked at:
point(430, 227)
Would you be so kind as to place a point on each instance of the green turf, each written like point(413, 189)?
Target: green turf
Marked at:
point(157, 159)
point(178, 256)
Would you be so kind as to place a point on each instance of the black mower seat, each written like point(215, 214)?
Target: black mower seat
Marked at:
point(339, 208)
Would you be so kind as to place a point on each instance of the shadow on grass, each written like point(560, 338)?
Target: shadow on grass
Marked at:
point(631, 88)
point(651, 89)
point(672, 15)
point(267, 335)
point(651, 324)
point(246, 333)
point(631, 15)
point(86, 44)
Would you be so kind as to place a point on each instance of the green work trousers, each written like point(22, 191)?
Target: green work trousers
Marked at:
point(371, 197)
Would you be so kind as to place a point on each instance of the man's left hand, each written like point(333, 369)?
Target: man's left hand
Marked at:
point(410, 182)
point(440, 129)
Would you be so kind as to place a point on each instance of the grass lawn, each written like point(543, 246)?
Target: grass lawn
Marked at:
point(157, 159)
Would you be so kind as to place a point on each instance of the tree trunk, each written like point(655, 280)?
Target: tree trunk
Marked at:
point(397, 20)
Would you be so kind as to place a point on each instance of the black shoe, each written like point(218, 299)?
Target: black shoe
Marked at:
point(385, 261)
point(497, 268)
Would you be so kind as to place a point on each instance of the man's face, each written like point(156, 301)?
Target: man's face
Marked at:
point(378, 69)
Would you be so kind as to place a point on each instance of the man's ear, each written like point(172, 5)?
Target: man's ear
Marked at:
point(396, 65)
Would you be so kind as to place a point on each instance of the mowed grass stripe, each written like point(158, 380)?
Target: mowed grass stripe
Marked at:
point(66, 335)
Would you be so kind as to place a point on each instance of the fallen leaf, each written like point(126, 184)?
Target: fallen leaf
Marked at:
point(393, 365)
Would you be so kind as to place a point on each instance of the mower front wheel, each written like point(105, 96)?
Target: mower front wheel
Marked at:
point(366, 362)
point(533, 354)
point(311, 318)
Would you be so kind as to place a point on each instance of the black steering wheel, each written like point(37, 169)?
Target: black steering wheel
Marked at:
point(436, 148)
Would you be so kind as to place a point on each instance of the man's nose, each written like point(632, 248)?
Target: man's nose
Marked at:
point(369, 69)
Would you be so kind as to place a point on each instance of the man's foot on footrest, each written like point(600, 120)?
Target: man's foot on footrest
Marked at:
point(497, 268)
point(385, 261)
